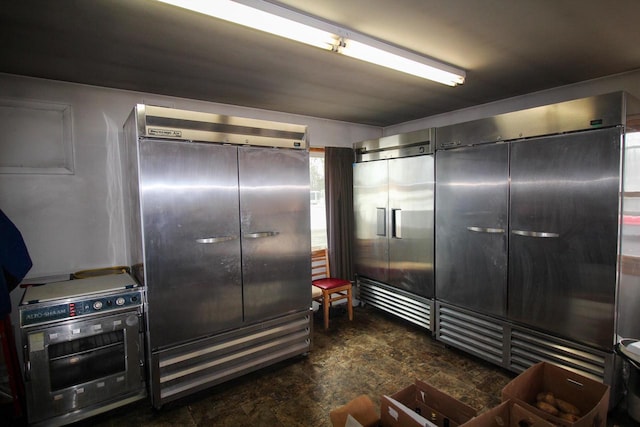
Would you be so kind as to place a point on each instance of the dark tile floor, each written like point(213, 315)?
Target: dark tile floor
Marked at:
point(375, 354)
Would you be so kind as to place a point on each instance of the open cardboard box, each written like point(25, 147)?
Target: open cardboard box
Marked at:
point(508, 414)
point(420, 405)
point(591, 397)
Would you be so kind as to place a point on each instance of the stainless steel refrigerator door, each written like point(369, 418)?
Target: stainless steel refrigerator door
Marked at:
point(276, 237)
point(189, 197)
point(472, 194)
point(371, 203)
point(411, 233)
point(563, 236)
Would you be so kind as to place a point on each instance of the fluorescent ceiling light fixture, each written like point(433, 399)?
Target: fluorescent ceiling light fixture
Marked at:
point(283, 22)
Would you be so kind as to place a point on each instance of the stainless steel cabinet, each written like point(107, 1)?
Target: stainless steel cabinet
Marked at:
point(189, 204)
point(394, 222)
point(563, 240)
point(565, 214)
point(226, 236)
point(472, 194)
point(528, 230)
point(371, 204)
point(274, 215)
point(219, 235)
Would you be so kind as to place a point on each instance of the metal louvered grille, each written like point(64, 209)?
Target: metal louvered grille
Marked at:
point(412, 308)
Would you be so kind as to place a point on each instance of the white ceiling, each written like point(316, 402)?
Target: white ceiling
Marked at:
point(507, 47)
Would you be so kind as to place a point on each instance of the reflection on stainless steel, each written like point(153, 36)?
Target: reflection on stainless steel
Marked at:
point(411, 195)
point(83, 348)
point(371, 197)
point(396, 223)
point(176, 263)
point(260, 234)
point(471, 196)
point(556, 278)
point(221, 239)
point(395, 194)
point(185, 186)
point(395, 146)
point(488, 230)
point(223, 231)
point(572, 283)
point(274, 269)
point(629, 315)
point(480, 184)
point(163, 122)
point(394, 219)
point(576, 115)
point(543, 234)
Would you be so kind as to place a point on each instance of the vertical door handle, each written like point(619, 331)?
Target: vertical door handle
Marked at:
point(381, 221)
point(396, 223)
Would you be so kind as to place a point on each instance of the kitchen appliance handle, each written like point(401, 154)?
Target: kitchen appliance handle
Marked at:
point(396, 223)
point(27, 363)
point(381, 222)
point(540, 234)
point(210, 240)
point(487, 230)
point(260, 234)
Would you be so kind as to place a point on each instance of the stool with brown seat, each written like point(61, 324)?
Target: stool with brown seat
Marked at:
point(327, 289)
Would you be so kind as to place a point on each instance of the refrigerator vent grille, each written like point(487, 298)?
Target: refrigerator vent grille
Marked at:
point(412, 308)
point(528, 348)
point(478, 335)
point(217, 359)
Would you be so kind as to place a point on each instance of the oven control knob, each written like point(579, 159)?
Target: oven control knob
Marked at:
point(120, 301)
point(97, 305)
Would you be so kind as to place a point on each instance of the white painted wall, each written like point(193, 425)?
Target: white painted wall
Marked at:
point(76, 222)
point(629, 82)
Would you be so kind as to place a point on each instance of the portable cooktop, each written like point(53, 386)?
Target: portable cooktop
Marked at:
point(75, 298)
point(76, 288)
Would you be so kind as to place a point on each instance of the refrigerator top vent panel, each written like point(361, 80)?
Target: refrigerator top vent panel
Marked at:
point(171, 123)
point(394, 146)
point(570, 116)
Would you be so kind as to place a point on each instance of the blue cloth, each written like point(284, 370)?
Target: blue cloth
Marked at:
point(15, 261)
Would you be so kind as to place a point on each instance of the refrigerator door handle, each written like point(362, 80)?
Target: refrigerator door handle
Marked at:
point(260, 234)
point(396, 223)
point(220, 239)
point(381, 222)
point(486, 230)
point(541, 234)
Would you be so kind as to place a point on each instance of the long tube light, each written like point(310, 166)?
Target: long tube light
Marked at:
point(283, 22)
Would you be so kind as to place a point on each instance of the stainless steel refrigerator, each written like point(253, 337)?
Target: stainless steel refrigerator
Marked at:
point(564, 197)
point(528, 225)
point(393, 203)
point(220, 238)
point(472, 227)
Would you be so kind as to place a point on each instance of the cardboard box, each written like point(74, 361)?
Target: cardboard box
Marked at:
point(508, 414)
point(359, 412)
point(591, 397)
point(421, 404)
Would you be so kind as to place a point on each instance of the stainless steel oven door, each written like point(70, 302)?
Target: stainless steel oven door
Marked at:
point(75, 364)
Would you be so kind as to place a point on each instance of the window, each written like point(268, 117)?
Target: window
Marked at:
point(631, 202)
point(318, 213)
